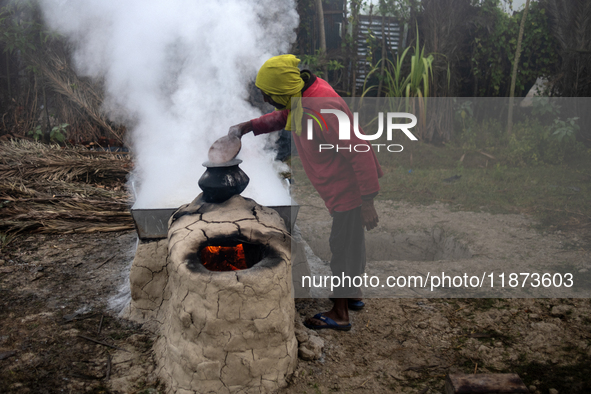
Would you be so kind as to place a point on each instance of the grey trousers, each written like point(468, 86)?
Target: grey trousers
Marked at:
point(347, 244)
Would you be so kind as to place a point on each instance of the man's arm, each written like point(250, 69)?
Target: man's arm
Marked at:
point(368, 212)
point(268, 123)
point(240, 129)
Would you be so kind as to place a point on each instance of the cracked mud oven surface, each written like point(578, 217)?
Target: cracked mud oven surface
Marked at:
point(219, 331)
point(56, 288)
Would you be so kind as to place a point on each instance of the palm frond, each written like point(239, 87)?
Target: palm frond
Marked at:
point(50, 189)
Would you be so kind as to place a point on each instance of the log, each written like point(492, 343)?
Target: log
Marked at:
point(507, 383)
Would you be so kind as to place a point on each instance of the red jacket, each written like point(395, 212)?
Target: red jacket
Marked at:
point(342, 177)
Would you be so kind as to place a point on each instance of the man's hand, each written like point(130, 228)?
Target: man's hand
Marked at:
point(240, 129)
point(369, 214)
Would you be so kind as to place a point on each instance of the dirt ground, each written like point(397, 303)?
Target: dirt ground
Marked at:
point(56, 289)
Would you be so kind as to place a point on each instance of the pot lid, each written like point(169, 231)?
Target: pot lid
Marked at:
point(230, 163)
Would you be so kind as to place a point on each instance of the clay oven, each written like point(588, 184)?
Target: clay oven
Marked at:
point(218, 290)
point(227, 330)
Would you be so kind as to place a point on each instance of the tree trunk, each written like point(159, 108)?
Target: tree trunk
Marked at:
point(347, 57)
point(369, 47)
point(515, 65)
point(384, 56)
point(322, 31)
point(46, 135)
point(354, 47)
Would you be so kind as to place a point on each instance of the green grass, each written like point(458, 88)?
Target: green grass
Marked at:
point(500, 189)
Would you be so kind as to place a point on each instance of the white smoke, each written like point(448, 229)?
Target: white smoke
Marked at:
point(176, 73)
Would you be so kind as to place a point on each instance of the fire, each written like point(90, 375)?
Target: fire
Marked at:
point(224, 258)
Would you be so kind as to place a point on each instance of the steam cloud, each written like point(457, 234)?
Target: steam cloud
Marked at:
point(176, 73)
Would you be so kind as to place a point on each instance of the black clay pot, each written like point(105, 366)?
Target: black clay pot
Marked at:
point(219, 182)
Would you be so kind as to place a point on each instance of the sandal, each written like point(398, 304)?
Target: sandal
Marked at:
point(331, 324)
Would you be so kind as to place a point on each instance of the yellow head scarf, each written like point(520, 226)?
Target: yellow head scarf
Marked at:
point(280, 79)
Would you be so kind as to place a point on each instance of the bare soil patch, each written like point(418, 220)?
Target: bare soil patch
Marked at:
point(408, 345)
point(54, 291)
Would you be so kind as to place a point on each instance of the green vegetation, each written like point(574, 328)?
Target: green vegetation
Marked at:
point(40, 92)
point(22, 28)
point(494, 44)
point(57, 133)
point(557, 195)
point(5, 239)
point(415, 84)
point(318, 61)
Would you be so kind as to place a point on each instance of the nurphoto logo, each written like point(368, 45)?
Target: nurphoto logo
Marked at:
point(345, 129)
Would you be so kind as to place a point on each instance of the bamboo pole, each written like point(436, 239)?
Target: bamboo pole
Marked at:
point(354, 48)
point(322, 31)
point(344, 34)
point(515, 65)
point(384, 55)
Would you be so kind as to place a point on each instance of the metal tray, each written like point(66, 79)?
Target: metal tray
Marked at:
point(153, 223)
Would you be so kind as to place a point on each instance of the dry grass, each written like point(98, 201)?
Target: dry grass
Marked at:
point(50, 189)
point(33, 161)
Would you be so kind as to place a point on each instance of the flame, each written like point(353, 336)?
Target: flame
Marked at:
point(224, 258)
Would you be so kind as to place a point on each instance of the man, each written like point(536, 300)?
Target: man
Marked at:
point(346, 180)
